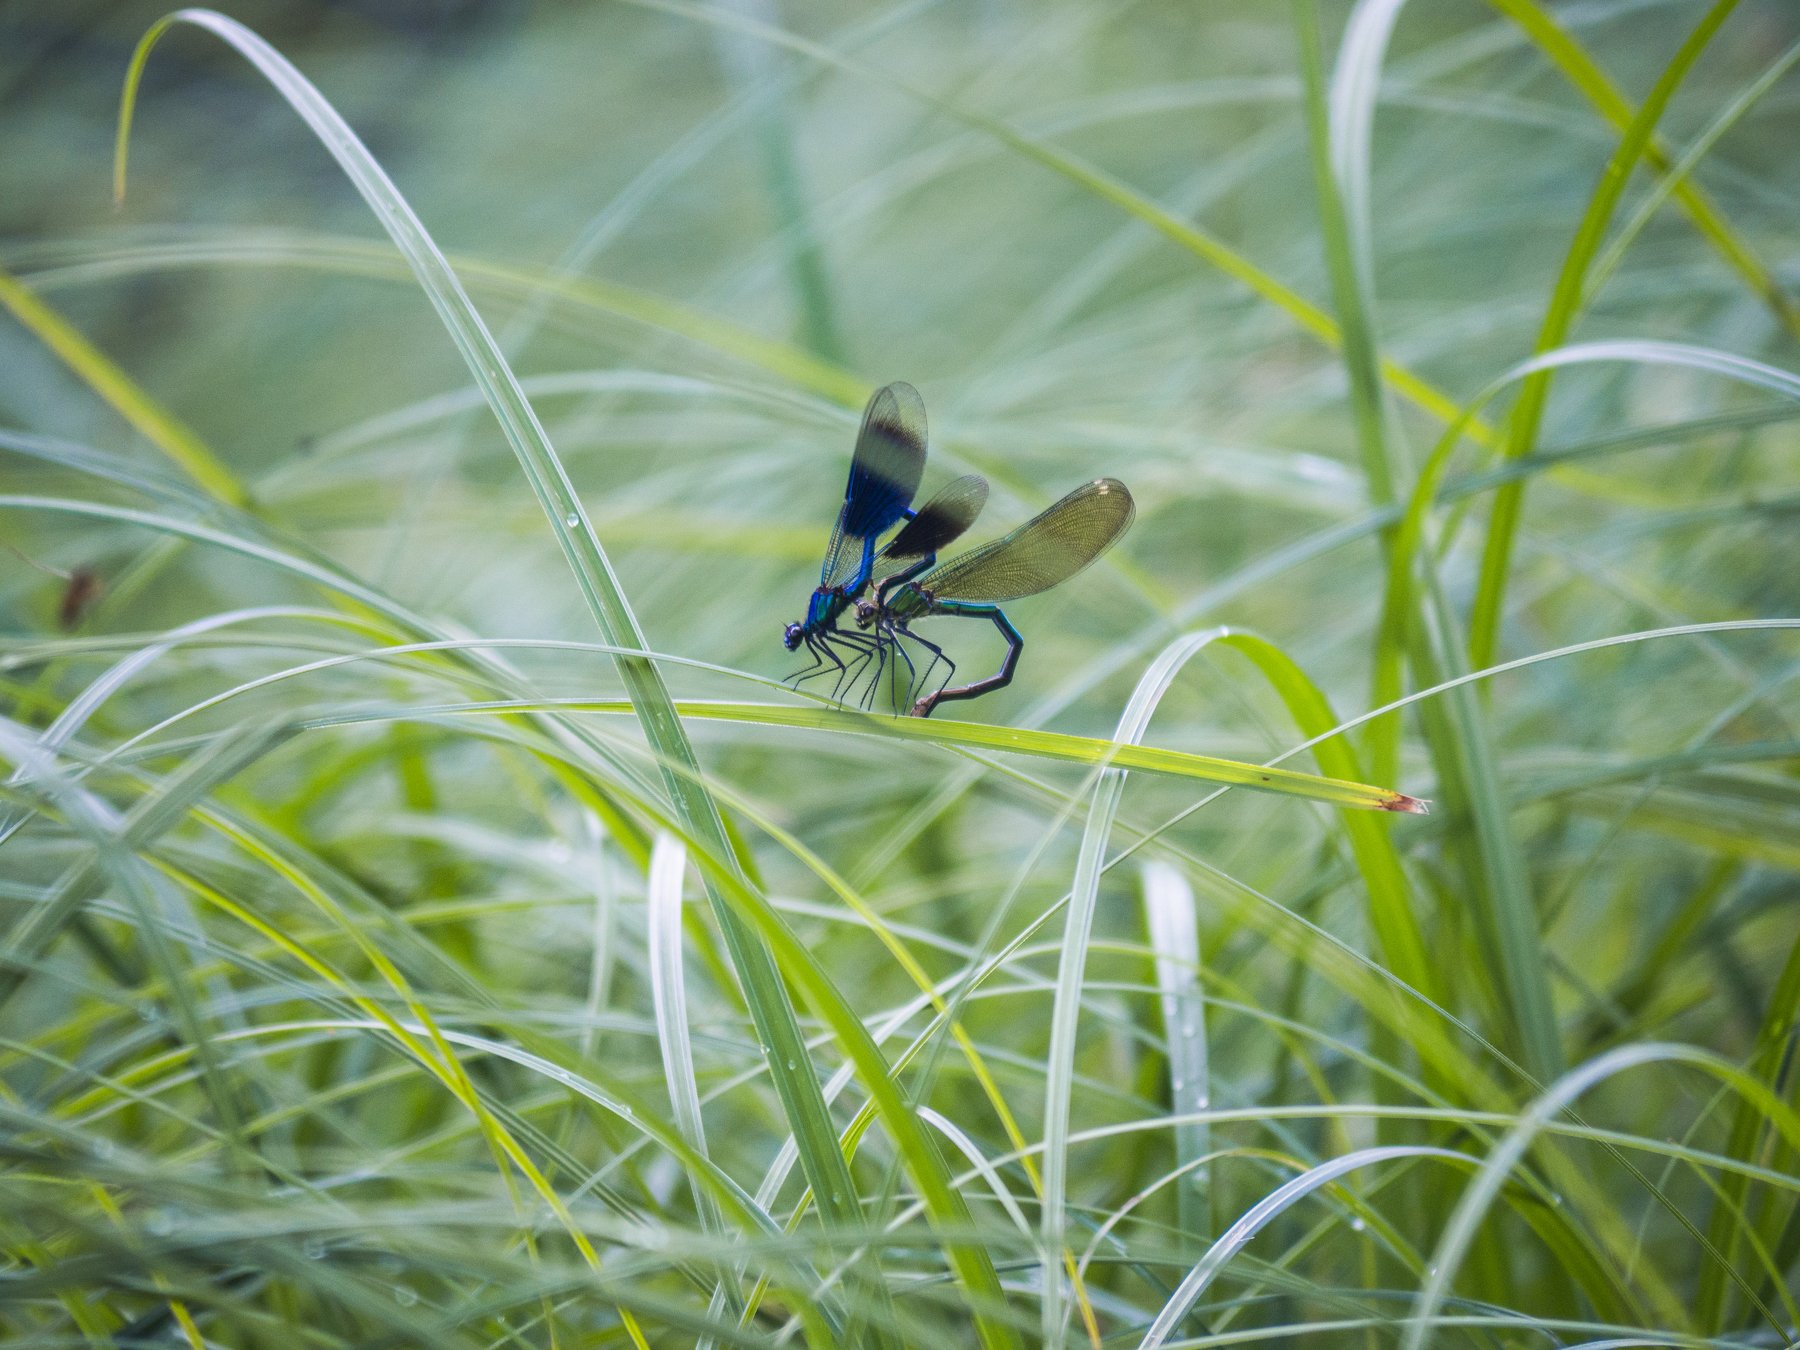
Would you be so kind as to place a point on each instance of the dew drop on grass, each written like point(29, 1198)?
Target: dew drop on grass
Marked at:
point(314, 1249)
point(793, 1064)
point(405, 1297)
point(572, 520)
point(1357, 1224)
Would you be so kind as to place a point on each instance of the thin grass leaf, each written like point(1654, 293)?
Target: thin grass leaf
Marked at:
point(1567, 300)
point(1588, 77)
point(1175, 944)
point(568, 519)
point(1259, 1215)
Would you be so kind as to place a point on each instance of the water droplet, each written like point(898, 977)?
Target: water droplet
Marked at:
point(836, 1199)
point(1176, 1084)
point(572, 520)
point(147, 1011)
point(405, 1297)
point(1358, 1224)
point(314, 1249)
point(793, 1064)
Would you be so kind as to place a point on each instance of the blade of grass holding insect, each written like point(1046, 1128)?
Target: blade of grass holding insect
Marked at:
point(155, 423)
point(1065, 1007)
point(1041, 744)
point(1175, 946)
point(1262, 1213)
point(1568, 55)
point(1051, 745)
point(769, 1006)
point(1567, 300)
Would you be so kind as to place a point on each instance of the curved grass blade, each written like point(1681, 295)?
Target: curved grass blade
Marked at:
point(770, 1009)
point(1568, 55)
point(668, 998)
point(1065, 1007)
point(1175, 948)
point(1045, 551)
point(1259, 1215)
point(1566, 303)
point(981, 735)
point(1472, 1209)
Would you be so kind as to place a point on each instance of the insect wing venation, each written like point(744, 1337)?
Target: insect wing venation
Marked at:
point(1045, 551)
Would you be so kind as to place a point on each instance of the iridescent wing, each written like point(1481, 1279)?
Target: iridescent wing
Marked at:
point(1045, 551)
point(884, 475)
point(941, 521)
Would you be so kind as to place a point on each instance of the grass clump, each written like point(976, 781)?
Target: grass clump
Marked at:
point(357, 983)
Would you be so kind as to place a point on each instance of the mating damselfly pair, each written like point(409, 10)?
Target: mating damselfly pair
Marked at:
point(885, 588)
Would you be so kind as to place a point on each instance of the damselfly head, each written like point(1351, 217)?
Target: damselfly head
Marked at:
point(790, 637)
point(865, 613)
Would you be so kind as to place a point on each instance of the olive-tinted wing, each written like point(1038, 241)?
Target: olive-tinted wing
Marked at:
point(1046, 550)
point(884, 475)
point(942, 520)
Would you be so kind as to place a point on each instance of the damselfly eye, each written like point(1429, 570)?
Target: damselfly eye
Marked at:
point(790, 637)
point(865, 613)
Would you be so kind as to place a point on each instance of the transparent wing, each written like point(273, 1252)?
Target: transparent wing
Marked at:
point(1046, 550)
point(884, 475)
point(941, 521)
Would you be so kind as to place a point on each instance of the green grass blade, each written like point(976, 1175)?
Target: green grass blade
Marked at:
point(1175, 946)
point(1340, 152)
point(1582, 72)
point(1566, 302)
point(1391, 918)
point(1065, 1005)
point(1260, 1215)
point(769, 1005)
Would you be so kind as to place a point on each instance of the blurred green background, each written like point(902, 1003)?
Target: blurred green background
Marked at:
point(1093, 236)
